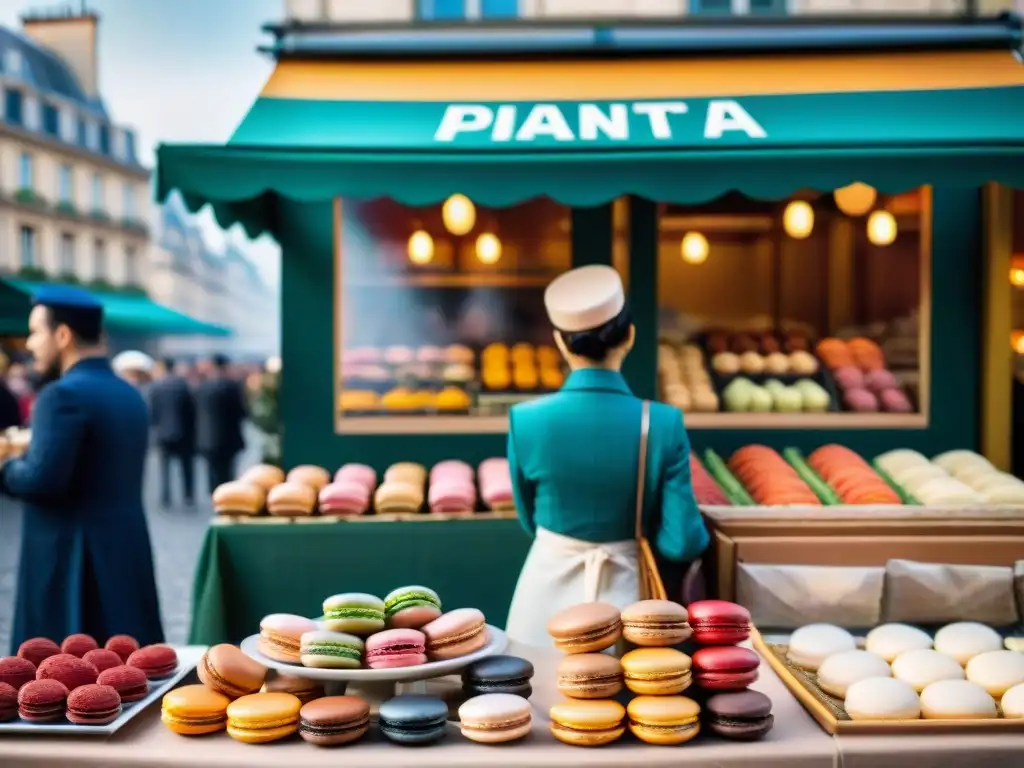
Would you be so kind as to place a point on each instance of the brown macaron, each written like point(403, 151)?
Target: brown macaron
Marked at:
point(103, 659)
point(266, 476)
point(586, 628)
point(291, 499)
point(238, 498)
point(655, 623)
point(334, 720)
point(130, 683)
point(589, 676)
point(225, 669)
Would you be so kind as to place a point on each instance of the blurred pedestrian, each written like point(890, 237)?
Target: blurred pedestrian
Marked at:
point(220, 412)
point(10, 411)
point(172, 413)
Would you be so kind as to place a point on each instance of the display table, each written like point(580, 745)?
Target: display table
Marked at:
point(967, 751)
point(249, 569)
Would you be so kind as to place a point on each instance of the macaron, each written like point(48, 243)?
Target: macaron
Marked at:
point(586, 628)
point(996, 671)
point(413, 719)
point(966, 639)
point(394, 497)
point(498, 674)
point(495, 718)
point(16, 671)
point(663, 720)
point(957, 700)
point(1012, 703)
point(655, 623)
point(718, 622)
point(38, 649)
point(841, 670)
point(810, 645)
point(725, 667)
point(354, 612)
point(656, 671)
point(263, 717)
point(334, 720)
point(922, 667)
point(739, 715)
point(304, 689)
point(123, 645)
point(8, 703)
point(411, 607)
point(79, 645)
point(456, 633)
point(93, 705)
point(225, 669)
point(882, 698)
point(324, 649)
point(281, 634)
point(588, 722)
point(394, 648)
point(157, 661)
point(194, 710)
point(590, 676)
point(890, 640)
point(130, 683)
point(363, 474)
point(344, 497)
point(69, 670)
point(103, 659)
point(42, 701)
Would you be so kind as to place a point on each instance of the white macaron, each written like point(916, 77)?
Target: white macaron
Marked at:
point(957, 700)
point(1012, 702)
point(882, 698)
point(812, 644)
point(922, 667)
point(890, 640)
point(966, 639)
point(996, 671)
point(841, 670)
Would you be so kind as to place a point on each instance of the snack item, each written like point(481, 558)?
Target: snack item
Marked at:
point(664, 720)
point(841, 670)
point(395, 648)
point(740, 715)
point(882, 698)
point(130, 683)
point(588, 723)
point(362, 474)
point(344, 497)
point(411, 607)
point(809, 646)
point(316, 477)
point(495, 482)
point(966, 639)
point(16, 671)
point(37, 650)
point(922, 667)
point(413, 718)
point(280, 636)
point(957, 700)
point(123, 645)
point(406, 472)
point(495, 718)
point(69, 670)
point(890, 640)
point(656, 671)
point(394, 497)
point(770, 479)
point(78, 645)
point(263, 717)
point(334, 720)
point(266, 476)
point(719, 622)
point(996, 671)
point(852, 478)
point(655, 623)
point(304, 689)
point(1012, 703)
point(102, 659)
point(354, 612)
point(157, 661)
point(291, 499)
point(8, 703)
point(456, 633)
point(498, 674)
point(225, 669)
point(590, 676)
point(324, 649)
point(93, 705)
point(42, 701)
point(451, 496)
point(586, 628)
point(725, 667)
point(238, 498)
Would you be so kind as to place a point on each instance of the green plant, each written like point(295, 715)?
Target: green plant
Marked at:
point(263, 410)
point(35, 274)
point(28, 196)
point(69, 278)
point(132, 290)
point(67, 208)
point(102, 286)
point(134, 225)
point(99, 214)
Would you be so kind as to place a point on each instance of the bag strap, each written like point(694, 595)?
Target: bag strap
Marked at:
point(641, 472)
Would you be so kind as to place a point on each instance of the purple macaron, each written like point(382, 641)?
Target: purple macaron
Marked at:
point(740, 716)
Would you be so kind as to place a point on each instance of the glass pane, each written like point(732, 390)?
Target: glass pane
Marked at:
point(499, 9)
point(768, 7)
point(439, 10)
point(711, 7)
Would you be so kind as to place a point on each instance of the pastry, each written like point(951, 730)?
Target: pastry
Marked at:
point(399, 355)
point(751, 362)
point(324, 649)
point(406, 472)
point(68, 670)
point(354, 612)
point(776, 363)
point(495, 718)
point(401, 399)
point(856, 482)
point(957, 700)
point(345, 497)
point(413, 719)
point(37, 650)
point(453, 399)
point(458, 373)
point(194, 710)
point(359, 400)
point(586, 628)
point(841, 670)
point(739, 715)
point(860, 400)
point(803, 363)
point(280, 636)
point(498, 674)
point(456, 633)
point(78, 645)
point(705, 401)
point(362, 474)
point(238, 498)
point(548, 356)
point(495, 482)
point(452, 469)
point(396, 497)
point(302, 688)
point(42, 701)
point(996, 671)
point(719, 622)
point(966, 639)
point(590, 676)
point(459, 354)
point(16, 671)
point(923, 666)
point(411, 607)
point(890, 640)
point(93, 705)
point(430, 355)
point(102, 659)
point(1012, 703)
point(496, 377)
point(123, 645)
point(266, 476)
point(494, 353)
point(263, 717)
point(588, 723)
point(882, 698)
point(292, 500)
point(130, 683)
point(726, 363)
point(809, 646)
point(452, 496)
point(334, 720)
point(317, 477)
point(157, 661)
point(725, 668)
point(551, 378)
point(655, 623)
point(394, 648)
point(770, 479)
point(8, 703)
point(664, 720)
point(525, 377)
point(657, 671)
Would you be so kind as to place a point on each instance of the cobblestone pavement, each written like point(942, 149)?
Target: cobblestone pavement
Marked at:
point(177, 535)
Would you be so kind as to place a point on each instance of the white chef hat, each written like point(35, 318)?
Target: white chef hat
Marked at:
point(584, 298)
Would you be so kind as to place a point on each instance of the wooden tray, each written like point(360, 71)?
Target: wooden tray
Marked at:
point(831, 715)
point(838, 512)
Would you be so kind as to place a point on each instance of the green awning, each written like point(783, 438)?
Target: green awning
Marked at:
point(122, 313)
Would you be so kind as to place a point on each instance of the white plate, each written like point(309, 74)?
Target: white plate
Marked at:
point(188, 658)
point(497, 643)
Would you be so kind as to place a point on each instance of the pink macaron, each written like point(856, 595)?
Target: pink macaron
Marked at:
point(848, 377)
point(895, 401)
point(880, 380)
point(860, 400)
point(360, 474)
point(456, 633)
point(452, 469)
point(344, 497)
point(395, 648)
point(451, 496)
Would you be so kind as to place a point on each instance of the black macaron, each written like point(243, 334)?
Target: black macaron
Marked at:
point(498, 674)
point(413, 718)
point(741, 716)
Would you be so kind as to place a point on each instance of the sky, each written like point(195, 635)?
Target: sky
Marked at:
point(180, 71)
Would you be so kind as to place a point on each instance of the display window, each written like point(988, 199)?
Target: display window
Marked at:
point(812, 311)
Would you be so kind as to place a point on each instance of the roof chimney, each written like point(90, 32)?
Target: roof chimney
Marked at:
point(71, 34)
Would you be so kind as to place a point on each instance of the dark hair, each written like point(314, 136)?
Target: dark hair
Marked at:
point(169, 363)
point(221, 361)
point(85, 324)
point(595, 343)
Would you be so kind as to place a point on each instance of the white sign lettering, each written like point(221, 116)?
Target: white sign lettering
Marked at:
point(508, 122)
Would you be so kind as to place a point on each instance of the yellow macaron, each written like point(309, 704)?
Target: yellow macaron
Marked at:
point(261, 718)
point(657, 671)
point(588, 722)
point(664, 719)
point(194, 710)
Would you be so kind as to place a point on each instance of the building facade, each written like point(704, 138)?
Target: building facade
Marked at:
point(74, 198)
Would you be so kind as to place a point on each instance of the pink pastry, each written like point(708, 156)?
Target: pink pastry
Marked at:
point(345, 497)
point(895, 401)
point(431, 355)
point(360, 356)
point(880, 380)
point(848, 377)
point(359, 473)
point(860, 400)
point(451, 496)
point(395, 648)
point(452, 469)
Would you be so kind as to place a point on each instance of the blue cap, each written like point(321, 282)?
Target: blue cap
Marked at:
point(68, 296)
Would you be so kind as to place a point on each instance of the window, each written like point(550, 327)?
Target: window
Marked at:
point(51, 120)
point(99, 260)
point(713, 7)
point(738, 7)
point(441, 10)
point(25, 171)
point(92, 136)
point(32, 112)
point(12, 61)
point(14, 106)
point(27, 243)
point(768, 7)
point(129, 201)
point(105, 139)
point(82, 133)
point(499, 9)
point(131, 265)
point(129, 147)
point(64, 189)
point(67, 254)
point(68, 125)
point(97, 193)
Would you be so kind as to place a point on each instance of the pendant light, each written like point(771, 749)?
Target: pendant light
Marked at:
point(882, 228)
point(694, 248)
point(488, 248)
point(458, 214)
point(421, 247)
point(1016, 277)
point(798, 219)
point(855, 199)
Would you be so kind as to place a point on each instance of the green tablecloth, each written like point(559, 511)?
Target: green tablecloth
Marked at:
point(248, 570)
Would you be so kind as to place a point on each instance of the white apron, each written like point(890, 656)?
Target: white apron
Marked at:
point(561, 572)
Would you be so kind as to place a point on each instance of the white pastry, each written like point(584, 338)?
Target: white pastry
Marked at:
point(956, 700)
point(892, 462)
point(959, 460)
point(882, 698)
point(966, 639)
point(996, 671)
point(1012, 702)
point(841, 670)
point(922, 667)
point(809, 646)
point(890, 640)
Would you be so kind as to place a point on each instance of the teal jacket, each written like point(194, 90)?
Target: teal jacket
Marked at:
point(574, 455)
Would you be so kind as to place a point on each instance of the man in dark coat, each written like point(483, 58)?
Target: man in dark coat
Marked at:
point(220, 412)
point(172, 412)
point(86, 561)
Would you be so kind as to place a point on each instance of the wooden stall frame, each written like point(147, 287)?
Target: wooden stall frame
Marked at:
point(997, 355)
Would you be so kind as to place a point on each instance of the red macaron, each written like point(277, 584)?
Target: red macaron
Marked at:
point(38, 649)
point(42, 701)
point(8, 703)
point(93, 705)
point(16, 671)
point(718, 622)
point(725, 667)
point(123, 645)
point(130, 683)
point(70, 670)
point(103, 659)
point(79, 645)
point(155, 660)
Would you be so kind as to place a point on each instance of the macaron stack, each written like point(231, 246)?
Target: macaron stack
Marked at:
point(685, 382)
point(451, 487)
point(851, 477)
point(924, 481)
point(350, 492)
point(248, 494)
point(495, 481)
point(497, 710)
point(976, 471)
point(770, 479)
point(402, 490)
point(867, 386)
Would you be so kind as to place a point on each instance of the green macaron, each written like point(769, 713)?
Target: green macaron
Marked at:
point(411, 606)
point(331, 650)
point(354, 612)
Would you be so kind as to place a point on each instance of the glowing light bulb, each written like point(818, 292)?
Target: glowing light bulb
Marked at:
point(855, 199)
point(421, 247)
point(798, 219)
point(694, 248)
point(1017, 276)
point(488, 248)
point(458, 214)
point(882, 228)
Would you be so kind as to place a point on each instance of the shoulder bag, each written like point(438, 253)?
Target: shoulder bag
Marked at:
point(651, 585)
